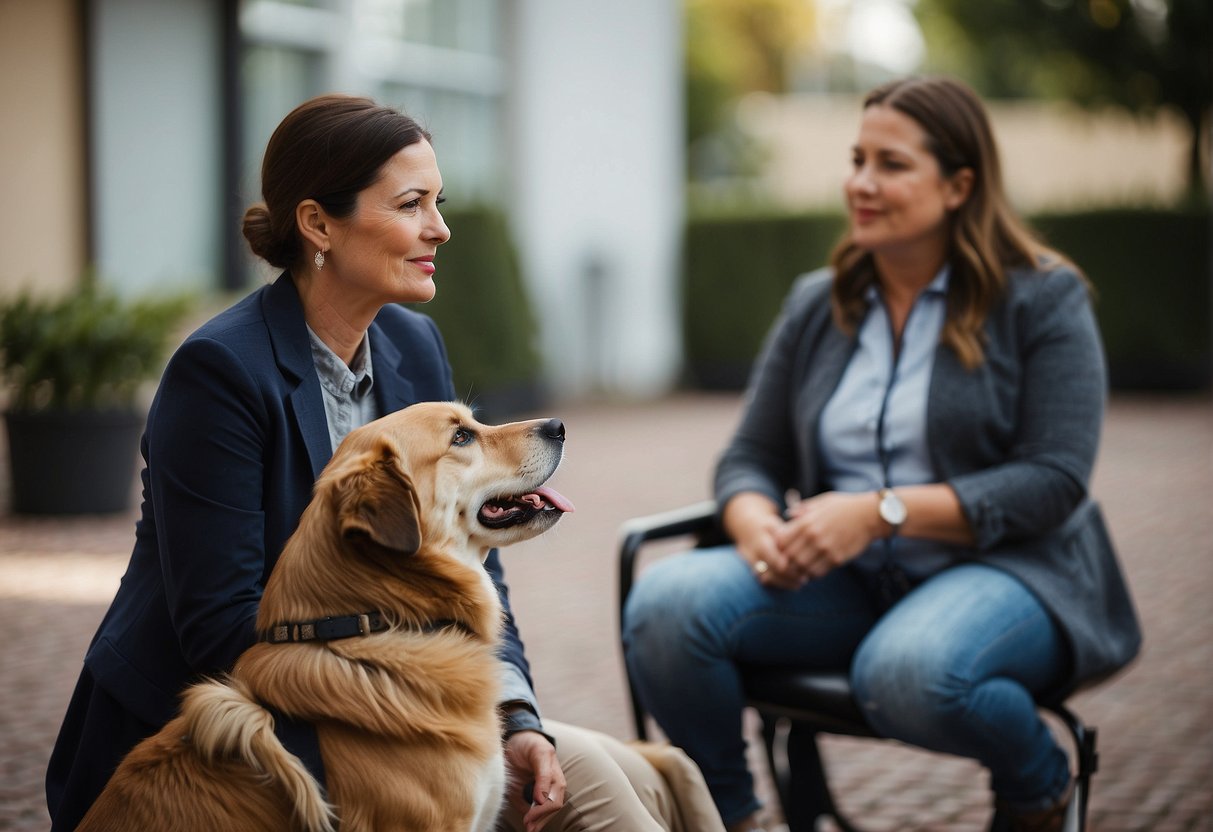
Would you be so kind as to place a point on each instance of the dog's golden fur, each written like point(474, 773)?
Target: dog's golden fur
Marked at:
point(406, 718)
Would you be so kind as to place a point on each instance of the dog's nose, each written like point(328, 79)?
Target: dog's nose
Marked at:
point(553, 429)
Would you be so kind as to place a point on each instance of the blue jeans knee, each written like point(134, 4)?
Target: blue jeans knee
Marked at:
point(953, 668)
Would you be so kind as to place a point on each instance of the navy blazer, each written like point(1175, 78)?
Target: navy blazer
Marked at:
point(235, 439)
point(1016, 438)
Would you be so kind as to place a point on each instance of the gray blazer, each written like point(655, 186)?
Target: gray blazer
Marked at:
point(1016, 438)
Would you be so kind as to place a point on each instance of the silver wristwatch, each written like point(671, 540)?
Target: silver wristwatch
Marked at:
point(892, 509)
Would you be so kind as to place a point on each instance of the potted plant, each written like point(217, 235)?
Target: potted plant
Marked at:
point(73, 366)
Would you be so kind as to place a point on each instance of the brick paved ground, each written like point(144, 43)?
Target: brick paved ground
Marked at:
point(1155, 478)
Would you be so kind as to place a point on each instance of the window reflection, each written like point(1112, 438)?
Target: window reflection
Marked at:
point(438, 60)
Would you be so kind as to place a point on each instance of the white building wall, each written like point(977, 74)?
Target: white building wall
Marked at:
point(1055, 157)
point(156, 122)
point(596, 195)
point(593, 157)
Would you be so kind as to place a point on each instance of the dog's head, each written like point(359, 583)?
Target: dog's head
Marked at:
point(402, 502)
point(433, 475)
point(407, 509)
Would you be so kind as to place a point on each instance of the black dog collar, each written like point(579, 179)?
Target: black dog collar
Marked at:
point(326, 629)
point(344, 626)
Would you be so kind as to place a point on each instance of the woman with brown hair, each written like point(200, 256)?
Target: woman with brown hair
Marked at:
point(248, 412)
point(933, 400)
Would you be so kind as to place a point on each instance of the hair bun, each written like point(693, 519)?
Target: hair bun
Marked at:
point(258, 229)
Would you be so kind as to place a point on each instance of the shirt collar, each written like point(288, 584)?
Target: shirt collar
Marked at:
point(355, 380)
point(937, 286)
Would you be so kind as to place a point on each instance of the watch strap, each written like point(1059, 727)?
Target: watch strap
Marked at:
point(891, 509)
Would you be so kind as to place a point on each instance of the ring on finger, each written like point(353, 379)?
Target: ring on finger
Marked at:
point(761, 567)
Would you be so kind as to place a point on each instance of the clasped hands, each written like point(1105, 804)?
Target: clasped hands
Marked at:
point(817, 535)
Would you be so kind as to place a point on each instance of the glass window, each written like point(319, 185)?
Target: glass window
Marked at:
point(282, 77)
point(466, 138)
point(437, 60)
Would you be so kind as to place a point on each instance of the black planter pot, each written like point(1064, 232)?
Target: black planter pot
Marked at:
point(72, 462)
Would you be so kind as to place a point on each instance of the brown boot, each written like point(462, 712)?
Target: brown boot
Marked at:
point(750, 824)
point(1052, 819)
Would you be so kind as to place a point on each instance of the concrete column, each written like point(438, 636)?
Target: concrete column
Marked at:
point(156, 97)
point(594, 104)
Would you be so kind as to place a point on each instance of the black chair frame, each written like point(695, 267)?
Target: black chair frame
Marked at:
point(795, 705)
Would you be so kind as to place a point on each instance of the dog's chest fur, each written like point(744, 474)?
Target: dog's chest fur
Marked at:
point(407, 723)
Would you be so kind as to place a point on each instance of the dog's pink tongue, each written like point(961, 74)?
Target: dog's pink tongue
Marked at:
point(552, 497)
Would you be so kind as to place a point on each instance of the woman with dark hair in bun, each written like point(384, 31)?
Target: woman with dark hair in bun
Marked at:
point(249, 410)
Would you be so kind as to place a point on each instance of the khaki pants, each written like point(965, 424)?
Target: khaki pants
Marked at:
point(637, 787)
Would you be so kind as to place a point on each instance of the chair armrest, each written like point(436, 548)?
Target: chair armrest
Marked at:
point(684, 520)
point(698, 519)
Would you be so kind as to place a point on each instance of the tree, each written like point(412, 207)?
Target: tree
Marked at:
point(734, 47)
point(1139, 54)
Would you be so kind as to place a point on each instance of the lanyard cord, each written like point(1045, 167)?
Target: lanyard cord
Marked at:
point(882, 453)
point(892, 579)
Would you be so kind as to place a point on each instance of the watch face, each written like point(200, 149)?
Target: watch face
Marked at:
point(892, 509)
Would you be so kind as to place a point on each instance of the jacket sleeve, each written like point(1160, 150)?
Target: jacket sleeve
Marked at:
point(206, 485)
point(517, 676)
point(1062, 390)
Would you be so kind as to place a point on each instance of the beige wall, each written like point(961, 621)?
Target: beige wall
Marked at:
point(1055, 157)
point(43, 210)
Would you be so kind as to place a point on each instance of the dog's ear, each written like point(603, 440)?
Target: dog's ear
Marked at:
point(378, 503)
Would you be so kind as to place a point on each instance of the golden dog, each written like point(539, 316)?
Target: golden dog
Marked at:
point(392, 544)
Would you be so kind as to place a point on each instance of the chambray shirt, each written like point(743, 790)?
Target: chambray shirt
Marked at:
point(348, 403)
point(882, 398)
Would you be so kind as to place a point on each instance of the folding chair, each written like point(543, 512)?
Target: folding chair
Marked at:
point(807, 702)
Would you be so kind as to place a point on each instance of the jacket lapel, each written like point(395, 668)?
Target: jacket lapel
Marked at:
point(393, 390)
point(950, 402)
point(293, 352)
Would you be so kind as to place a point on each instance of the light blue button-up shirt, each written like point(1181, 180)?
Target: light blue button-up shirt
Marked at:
point(883, 397)
point(348, 402)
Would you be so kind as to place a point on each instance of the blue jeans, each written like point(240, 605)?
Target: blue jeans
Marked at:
point(951, 667)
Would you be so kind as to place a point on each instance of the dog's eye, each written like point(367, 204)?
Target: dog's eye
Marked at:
point(462, 437)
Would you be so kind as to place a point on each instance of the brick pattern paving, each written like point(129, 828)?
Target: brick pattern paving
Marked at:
point(1155, 478)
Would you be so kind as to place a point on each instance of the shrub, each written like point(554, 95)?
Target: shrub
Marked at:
point(485, 316)
point(1152, 270)
point(736, 271)
point(87, 350)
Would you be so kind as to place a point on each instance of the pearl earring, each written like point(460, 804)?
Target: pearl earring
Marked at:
point(319, 260)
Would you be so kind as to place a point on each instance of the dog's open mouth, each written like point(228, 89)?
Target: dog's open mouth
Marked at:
point(503, 512)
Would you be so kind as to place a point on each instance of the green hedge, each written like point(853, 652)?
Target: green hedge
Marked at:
point(736, 271)
point(1152, 270)
point(486, 317)
point(1153, 273)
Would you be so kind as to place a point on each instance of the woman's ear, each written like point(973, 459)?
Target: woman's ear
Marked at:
point(312, 223)
point(959, 186)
